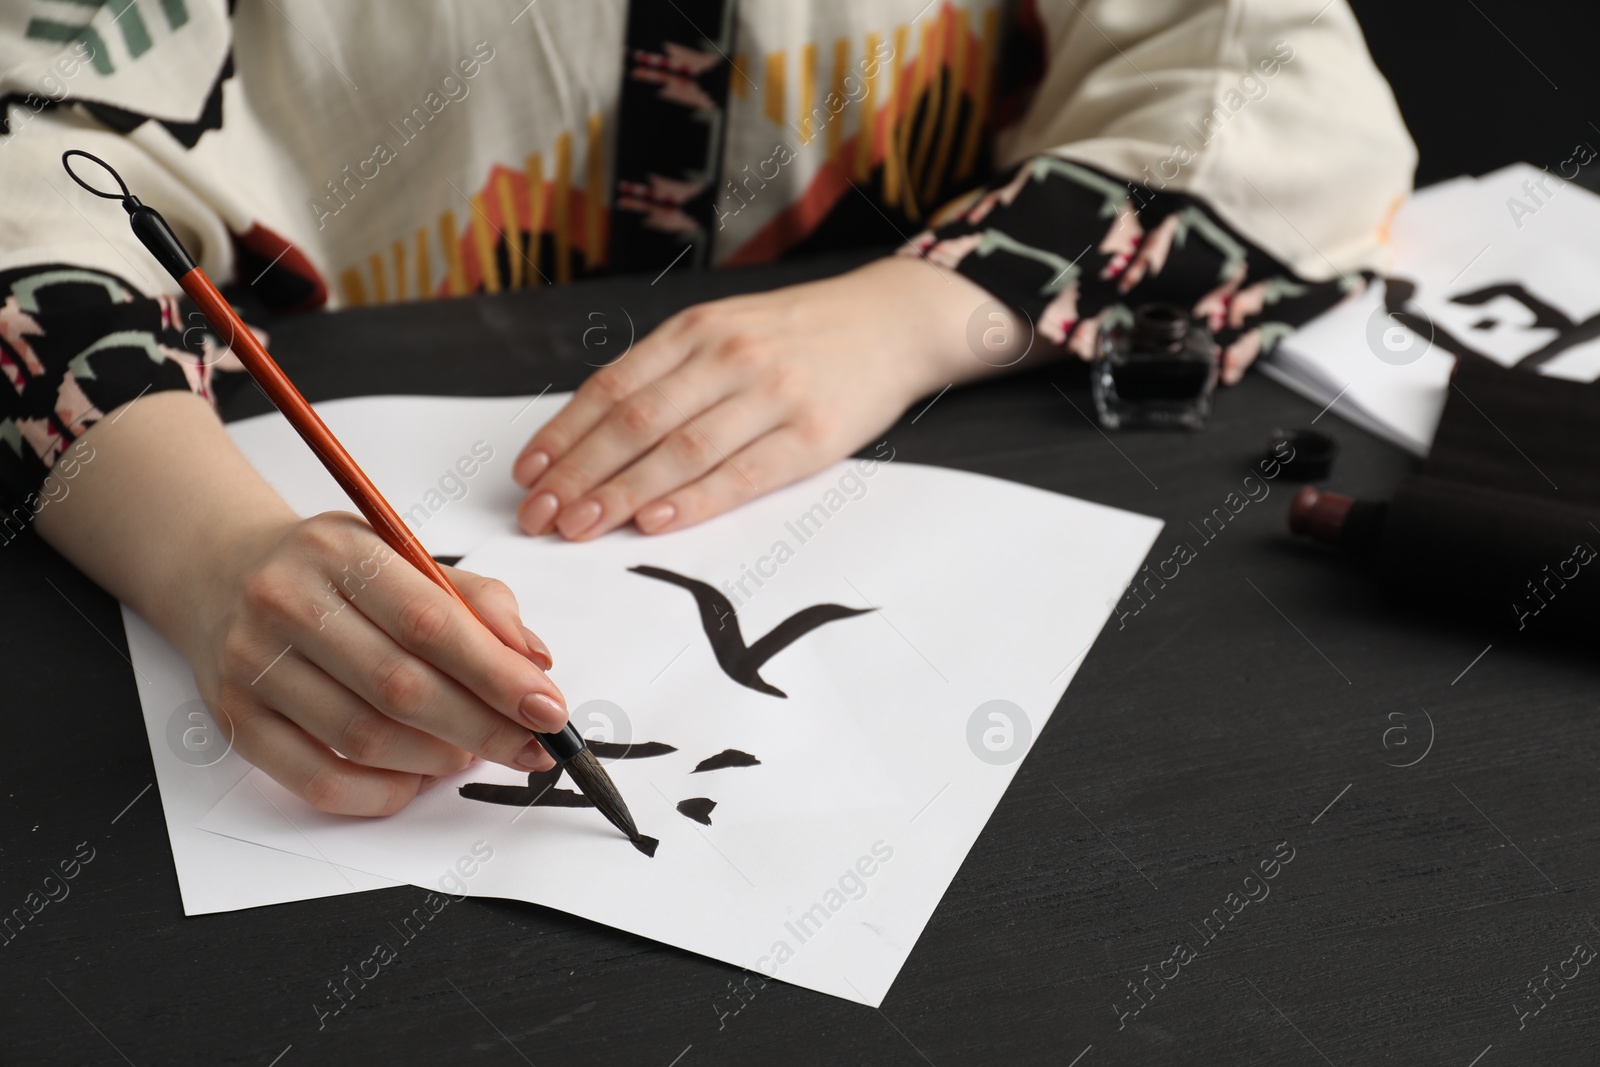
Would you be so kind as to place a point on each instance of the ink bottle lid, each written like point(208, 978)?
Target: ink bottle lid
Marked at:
point(1311, 454)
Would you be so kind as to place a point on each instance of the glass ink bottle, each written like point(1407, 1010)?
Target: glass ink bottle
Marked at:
point(1159, 371)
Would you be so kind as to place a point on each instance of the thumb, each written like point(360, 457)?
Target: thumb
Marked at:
point(496, 605)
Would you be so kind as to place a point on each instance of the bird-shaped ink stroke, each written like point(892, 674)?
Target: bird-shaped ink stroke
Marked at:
point(738, 661)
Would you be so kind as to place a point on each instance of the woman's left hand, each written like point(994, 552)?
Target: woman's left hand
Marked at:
point(735, 398)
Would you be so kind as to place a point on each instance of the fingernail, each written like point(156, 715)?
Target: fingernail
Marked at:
point(653, 517)
point(533, 757)
point(529, 467)
point(538, 651)
point(575, 521)
point(540, 712)
point(537, 513)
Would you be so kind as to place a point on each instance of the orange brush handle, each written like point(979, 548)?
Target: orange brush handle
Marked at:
point(309, 425)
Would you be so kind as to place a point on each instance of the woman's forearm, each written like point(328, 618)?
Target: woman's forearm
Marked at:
point(158, 499)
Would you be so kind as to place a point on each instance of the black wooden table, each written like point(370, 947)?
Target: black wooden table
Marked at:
point(1267, 695)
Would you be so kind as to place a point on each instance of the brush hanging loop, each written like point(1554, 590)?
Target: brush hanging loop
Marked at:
point(66, 157)
point(148, 225)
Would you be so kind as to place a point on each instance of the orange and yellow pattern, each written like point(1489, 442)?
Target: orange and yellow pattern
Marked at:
point(921, 121)
point(498, 242)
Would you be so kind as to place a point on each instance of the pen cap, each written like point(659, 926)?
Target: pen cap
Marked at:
point(1319, 515)
point(1334, 519)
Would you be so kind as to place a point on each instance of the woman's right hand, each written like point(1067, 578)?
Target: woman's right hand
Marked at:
point(353, 680)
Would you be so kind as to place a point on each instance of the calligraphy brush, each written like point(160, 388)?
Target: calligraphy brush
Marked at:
point(566, 746)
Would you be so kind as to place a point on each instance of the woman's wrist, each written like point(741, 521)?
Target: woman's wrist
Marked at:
point(956, 331)
point(193, 609)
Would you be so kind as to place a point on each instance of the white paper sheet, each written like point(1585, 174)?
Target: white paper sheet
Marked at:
point(1451, 239)
point(1553, 251)
point(416, 450)
point(878, 769)
point(195, 768)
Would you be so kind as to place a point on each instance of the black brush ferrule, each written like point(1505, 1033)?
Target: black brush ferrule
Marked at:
point(564, 744)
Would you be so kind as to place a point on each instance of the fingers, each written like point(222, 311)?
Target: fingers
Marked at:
point(687, 453)
point(628, 431)
point(715, 367)
point(417, 655)
point(434, 626)
point(309, 770)
point(651, 358)
point(497, 606)
point(770, 463)
point(303, 693)
point(1238, 357)
point(351, 694)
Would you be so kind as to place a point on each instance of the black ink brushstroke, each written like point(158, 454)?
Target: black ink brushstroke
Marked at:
point(540, 792)
point(698, 809)
point(728, 757)
point(739, 662)
point(1569, 334)
point(615, 750)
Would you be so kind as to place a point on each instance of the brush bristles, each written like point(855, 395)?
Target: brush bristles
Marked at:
point(596, 784)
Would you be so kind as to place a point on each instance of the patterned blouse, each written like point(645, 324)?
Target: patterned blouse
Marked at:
point(1074, 157)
